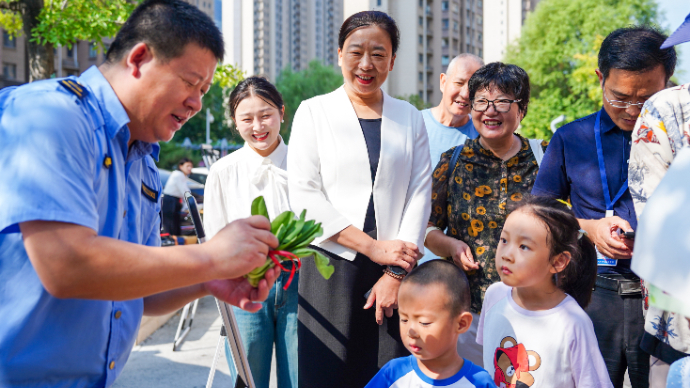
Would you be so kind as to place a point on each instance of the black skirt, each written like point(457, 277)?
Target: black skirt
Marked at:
point(340, 343)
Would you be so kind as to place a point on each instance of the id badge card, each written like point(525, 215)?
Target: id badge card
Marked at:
point(603, 261)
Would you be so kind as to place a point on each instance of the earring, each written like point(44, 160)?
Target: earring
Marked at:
point(282, 121)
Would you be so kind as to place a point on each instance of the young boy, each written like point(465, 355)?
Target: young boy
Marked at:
point(433, 303)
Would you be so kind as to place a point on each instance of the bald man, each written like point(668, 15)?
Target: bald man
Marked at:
point(449, 123)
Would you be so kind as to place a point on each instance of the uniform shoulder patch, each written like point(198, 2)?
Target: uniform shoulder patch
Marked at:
point(74, 87)
point(149, 193)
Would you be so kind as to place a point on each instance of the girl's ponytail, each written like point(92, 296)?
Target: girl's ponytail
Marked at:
point(578, 277)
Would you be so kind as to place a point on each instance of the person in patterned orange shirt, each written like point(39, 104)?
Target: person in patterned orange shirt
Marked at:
point(473, 198)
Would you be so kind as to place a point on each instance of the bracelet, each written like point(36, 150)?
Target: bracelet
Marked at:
point(393, 275)
point(429, 230)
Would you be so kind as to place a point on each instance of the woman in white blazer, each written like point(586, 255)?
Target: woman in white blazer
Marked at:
point(359, 163)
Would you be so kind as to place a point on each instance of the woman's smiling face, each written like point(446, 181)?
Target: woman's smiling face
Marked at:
point(258, 122)
point(365, 59)
point(492, 124)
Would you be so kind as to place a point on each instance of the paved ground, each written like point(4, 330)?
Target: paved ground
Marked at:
point(153, 364)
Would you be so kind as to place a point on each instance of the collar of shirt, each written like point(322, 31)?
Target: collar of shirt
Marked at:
point(114, 115)
point(277, 156)
point(606, 123)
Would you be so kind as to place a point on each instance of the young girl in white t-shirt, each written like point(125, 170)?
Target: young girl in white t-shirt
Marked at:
point(533, 328)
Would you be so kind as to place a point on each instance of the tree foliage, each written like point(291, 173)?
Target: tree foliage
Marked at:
point(49, 23)
point(415, 100)
point(558, 48)
point(296, 87)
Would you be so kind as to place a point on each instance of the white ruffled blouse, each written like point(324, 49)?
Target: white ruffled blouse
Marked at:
point(237, 179)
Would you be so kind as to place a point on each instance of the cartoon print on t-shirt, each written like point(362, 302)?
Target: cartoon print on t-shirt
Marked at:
point(513, 365)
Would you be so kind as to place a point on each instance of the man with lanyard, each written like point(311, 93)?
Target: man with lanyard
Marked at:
point(449, 123)
point(587, 162)
point(661, 133)
point(80, 260)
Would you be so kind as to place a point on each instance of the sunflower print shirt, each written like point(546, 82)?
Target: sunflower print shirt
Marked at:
point(473, 200)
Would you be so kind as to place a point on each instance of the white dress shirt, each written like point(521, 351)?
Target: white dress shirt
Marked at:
point(176, 185)
point(236, 180)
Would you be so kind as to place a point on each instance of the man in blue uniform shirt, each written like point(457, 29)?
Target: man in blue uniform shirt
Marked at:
point(80, 260)
point(587, 162)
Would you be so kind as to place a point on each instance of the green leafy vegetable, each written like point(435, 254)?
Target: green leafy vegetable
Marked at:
point(294, 236)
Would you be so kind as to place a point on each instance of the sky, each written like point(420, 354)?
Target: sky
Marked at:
point(673, 14)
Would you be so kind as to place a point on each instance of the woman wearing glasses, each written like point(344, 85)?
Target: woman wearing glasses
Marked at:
point(493, 173)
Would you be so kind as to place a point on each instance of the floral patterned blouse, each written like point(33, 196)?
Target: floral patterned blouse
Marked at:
point(474, 199)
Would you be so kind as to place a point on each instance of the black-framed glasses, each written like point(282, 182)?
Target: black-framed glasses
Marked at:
point(623, 104)
point(501, 105)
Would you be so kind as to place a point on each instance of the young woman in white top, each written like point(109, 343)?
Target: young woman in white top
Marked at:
point(173, 195)
point(233, 182)
point(533, 327)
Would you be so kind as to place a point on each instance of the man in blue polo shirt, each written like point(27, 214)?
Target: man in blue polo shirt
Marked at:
point(80, 260)
point(587, 162)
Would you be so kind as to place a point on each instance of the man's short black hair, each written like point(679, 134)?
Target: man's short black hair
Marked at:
point(167, 26)
point(636, 49)
point(451, 277)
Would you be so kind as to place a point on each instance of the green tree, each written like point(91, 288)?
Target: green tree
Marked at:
point(415, 100)
point(558, 48)
point(298, 86)
point(49, 23)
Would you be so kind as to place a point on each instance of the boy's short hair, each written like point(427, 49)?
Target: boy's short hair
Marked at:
point(450, 276)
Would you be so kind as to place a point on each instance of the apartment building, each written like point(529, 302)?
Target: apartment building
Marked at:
point(432, 32)
point(265, 36)
point(503, 23)
point(68, 60)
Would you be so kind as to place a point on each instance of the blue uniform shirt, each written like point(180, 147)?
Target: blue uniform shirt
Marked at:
point(64, 157)
point(570, 169)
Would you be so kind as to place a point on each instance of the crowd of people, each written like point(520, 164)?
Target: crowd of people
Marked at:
point(465, 254)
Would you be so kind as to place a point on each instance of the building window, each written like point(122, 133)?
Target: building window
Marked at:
point(444, 24)
point(421, 21)
point(445, 60)
point(481, 53)
point(480, 3)
point(455, 44)
point(456, 26)
point(444, 42)
point(469, 49)
point(421, 58)
point(479, 36)
point(9, 71)
point(70, 52)
point(444, 6)
point(421, 94)
point(8, 41)
point(421, 3)
point(421, 76)
point(378, 3)
point(93, 50)
point(421, 39)
point(456, 7)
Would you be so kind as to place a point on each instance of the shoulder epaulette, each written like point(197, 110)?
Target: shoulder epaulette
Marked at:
point(75, 87)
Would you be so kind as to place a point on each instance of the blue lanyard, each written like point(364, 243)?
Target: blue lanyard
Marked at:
point(602, 169)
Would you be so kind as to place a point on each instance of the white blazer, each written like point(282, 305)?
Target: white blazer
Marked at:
point(329, 175)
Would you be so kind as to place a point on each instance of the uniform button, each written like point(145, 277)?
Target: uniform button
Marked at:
point(124, 214)
point(112, 364)
point(118, 314)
